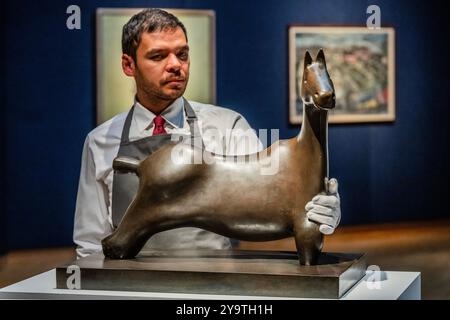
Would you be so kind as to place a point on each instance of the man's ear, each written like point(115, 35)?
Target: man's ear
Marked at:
point(128, 65)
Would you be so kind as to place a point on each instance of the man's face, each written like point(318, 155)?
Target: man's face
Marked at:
point(161, 69)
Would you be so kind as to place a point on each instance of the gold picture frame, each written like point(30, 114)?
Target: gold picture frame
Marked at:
point(115, 91)
point(361, 63)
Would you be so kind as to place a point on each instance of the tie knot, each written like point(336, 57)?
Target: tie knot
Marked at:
point(159, 125)
point(159, 121)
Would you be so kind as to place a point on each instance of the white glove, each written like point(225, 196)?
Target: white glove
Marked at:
point(325, 209)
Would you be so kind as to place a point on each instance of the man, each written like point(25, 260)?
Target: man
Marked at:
point(156, 54)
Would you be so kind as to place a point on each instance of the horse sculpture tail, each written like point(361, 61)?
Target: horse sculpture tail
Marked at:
point(126, 164)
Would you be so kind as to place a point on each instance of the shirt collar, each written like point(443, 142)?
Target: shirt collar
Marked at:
point(173, 114)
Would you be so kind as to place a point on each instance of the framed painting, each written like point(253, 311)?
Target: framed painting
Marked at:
point(361, 64)
point(115, 91)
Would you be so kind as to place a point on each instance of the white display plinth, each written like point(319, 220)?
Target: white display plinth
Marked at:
point(393, 285)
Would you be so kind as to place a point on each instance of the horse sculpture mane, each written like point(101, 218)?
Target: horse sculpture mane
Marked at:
point(250, 206)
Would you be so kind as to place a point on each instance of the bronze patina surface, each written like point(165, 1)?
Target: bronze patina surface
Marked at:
point(230, 196)
point(221, 272)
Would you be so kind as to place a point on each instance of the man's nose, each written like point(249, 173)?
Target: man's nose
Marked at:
point(173, 63)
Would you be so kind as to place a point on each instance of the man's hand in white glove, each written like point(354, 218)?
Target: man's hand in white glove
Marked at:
point(325, 209)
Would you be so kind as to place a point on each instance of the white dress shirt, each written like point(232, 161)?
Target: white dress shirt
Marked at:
point(223, 131)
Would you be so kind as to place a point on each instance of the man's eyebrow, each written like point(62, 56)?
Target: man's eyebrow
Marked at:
point(156, 50)
point(161, 50)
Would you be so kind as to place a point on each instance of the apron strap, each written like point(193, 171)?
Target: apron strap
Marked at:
point(126, 127)
point(192, 120)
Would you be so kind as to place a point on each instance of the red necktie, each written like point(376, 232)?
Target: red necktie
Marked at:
point(159, 125)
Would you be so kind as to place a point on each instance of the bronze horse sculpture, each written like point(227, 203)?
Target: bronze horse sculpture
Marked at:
point(250, 206)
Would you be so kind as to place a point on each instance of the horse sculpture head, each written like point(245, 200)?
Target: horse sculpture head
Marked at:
point(317, 87)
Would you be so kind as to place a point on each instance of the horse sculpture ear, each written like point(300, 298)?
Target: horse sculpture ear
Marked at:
point(321, 57)
point(308, 60)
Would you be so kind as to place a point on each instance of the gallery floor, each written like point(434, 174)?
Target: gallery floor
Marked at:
point(415, 246)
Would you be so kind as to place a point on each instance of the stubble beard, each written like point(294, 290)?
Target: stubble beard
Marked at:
point(155, 95)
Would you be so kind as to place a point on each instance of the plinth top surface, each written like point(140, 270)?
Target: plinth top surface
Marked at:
point(225, 261)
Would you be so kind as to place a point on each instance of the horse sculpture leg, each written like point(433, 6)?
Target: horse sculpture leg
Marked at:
point(308, 241)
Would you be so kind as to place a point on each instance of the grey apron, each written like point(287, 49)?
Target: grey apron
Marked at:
point(125, 186)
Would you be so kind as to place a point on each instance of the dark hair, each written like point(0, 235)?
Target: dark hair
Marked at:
point(148, 20)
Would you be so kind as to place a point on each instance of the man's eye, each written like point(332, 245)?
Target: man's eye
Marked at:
point(183, 55)
point(156, 57)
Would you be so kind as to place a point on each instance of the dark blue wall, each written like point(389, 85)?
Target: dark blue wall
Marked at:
point(387, 172)
point(3, 238)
